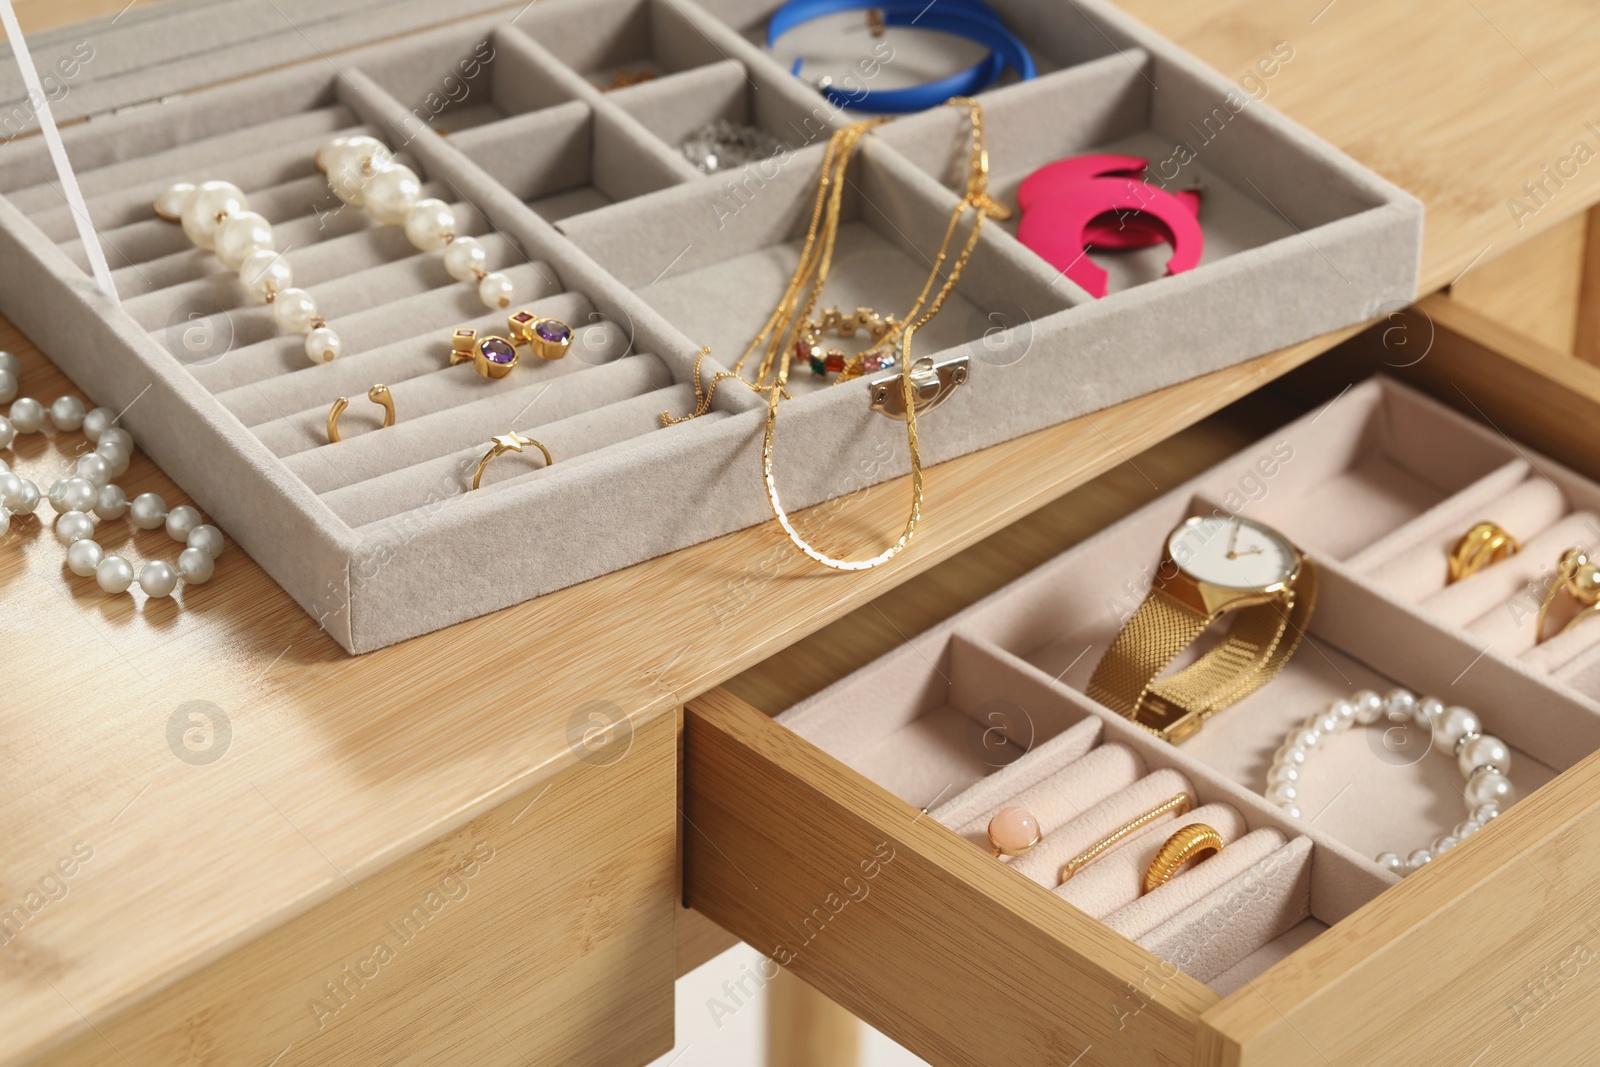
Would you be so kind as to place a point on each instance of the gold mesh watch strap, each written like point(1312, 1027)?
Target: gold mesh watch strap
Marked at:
point(1262, 639)
point(1153, 637)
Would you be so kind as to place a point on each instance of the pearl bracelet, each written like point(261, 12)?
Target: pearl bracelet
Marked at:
point(363, 173)
point(216, 216)
point(1483, 760)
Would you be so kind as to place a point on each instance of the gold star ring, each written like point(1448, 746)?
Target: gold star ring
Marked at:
point(511, 442)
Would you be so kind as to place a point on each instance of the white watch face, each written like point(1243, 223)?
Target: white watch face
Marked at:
point(1232, 552)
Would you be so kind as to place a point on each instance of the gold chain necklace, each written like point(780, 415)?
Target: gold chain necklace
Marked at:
point(787, 325)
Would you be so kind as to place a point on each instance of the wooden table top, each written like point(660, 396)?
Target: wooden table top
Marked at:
point(336, 767)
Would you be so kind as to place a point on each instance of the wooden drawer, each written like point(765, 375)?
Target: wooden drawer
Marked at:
point(1482, 958)
point(1479, 959)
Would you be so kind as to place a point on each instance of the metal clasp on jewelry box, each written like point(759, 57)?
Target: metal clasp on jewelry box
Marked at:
point(931, 385)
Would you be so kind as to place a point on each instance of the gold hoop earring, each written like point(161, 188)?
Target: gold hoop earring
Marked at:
point(378, 394)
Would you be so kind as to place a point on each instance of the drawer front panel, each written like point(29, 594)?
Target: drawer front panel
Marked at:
point(956, 957)
point(1490, 957)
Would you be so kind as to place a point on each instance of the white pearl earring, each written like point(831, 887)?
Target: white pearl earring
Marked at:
point(216, 216)
point(362, 172)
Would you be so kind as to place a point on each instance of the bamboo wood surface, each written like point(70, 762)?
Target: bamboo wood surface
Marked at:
point(541, 932)
point(358, 764)
point(1534, 288)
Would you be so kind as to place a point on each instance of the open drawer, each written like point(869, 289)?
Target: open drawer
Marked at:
point(817, 837)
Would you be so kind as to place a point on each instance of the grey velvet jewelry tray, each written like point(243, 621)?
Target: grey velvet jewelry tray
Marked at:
point(583, 198)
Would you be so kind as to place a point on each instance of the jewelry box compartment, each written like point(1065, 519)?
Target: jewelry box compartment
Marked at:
point(233, 410)
point(817, 837)
point(378, 535)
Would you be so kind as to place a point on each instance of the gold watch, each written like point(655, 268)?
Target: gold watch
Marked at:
point(1214, 565)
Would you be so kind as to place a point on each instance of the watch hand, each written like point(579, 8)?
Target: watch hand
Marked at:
point(1233, 542)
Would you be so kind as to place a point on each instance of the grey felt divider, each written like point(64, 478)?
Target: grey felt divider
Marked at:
point(346, 273)
point(675, 106)
point(332, 466)
point(145, 252)
point(308, 221)
point(436, 312)
point(597, 37)
point(218, 111)
point(283, 162)
point(442, 389)
point(142, 54)
point(537, 154)
point(320, 123)
point(571, 439)
point(507, 113)
point(317, 384)
point(627, 160)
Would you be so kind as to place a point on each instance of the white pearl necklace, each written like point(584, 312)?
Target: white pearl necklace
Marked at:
point(216, 216)
point(362, 172)
point(75, 529)
point(19, 496)
point(1483, 760)
point(88, 493)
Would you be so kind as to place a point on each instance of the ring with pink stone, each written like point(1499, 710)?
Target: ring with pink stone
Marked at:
point(1013, 832)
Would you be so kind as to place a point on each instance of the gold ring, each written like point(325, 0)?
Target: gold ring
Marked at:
point(1482, 546)
point(1177, 805)
point(511, 442)
point(1190, 842)
point(378, 394)
point(1013, 832)
point(1578, 577)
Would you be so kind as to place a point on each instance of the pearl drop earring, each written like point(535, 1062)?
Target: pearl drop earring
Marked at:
point(362, 172)
point(216, 216)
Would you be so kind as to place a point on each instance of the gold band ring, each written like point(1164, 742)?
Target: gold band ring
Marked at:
point(1579, 577)
point(1190, 842)
point(378, 394)
point(1178, 805)
point(1482, 546)
point(511, 442)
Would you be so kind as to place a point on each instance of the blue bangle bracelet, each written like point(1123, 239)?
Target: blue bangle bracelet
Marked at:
point(971, 19)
